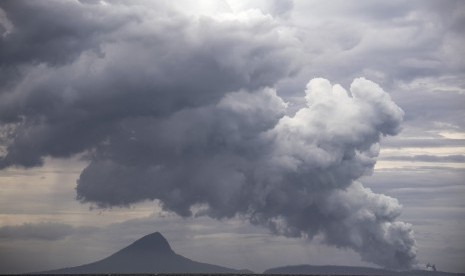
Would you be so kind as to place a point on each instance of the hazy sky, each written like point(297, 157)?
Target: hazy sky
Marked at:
point(251, 135)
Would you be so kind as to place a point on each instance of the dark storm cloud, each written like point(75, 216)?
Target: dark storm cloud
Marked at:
point(150, 68)
point(40, 231)
point(53, 32)
point(182, 109)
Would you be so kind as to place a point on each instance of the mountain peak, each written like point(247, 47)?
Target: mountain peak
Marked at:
point(149, 254)
point(152, 242)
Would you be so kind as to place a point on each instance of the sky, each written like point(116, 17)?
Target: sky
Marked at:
point(251, 135)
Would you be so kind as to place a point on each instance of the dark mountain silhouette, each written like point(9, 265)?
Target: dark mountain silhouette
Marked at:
point(351, 270)
point(150, 254)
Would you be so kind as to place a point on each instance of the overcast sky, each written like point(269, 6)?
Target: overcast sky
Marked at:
point(251, 135)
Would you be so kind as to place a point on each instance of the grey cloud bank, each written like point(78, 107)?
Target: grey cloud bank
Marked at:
point(429, 158)
point(187, 110)
point(41, 231)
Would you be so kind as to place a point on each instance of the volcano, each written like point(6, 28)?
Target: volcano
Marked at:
point(149, 254)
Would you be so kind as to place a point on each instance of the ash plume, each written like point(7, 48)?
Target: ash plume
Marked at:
point(296, 175)
point(193, 120)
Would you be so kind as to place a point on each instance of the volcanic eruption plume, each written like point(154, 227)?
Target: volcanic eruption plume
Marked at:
point(296, 174)
point(194, 121)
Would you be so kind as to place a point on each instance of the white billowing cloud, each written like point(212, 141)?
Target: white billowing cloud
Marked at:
point(335, 122)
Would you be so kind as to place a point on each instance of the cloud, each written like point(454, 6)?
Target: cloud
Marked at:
point(184, 110)
point(427, 142)
point(41, 231)
point(456, 158)
point(345, 40)
point(55, 32)
point(59, 108)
